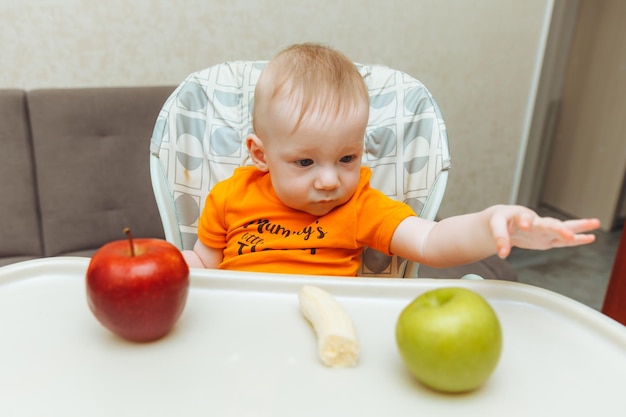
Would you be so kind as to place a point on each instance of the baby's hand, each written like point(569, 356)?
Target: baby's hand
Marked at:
point(522, 227)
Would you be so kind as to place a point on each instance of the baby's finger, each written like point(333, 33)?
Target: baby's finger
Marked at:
point(555, 227)
point(582, 225)
point(525, 220)
point(500, 233)
point(579, 239)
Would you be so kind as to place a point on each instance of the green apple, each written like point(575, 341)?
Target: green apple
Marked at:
point(450, 339)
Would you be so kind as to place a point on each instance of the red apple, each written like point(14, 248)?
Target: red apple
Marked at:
point(137, 288)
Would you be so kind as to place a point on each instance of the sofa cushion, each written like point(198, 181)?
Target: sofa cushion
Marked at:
point(19, 220)
point(91, 152)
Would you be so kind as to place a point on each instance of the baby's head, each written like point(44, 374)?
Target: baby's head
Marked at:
point(312, 83)
point(311, 108)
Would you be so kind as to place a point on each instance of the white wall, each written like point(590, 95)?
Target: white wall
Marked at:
point(477, 57)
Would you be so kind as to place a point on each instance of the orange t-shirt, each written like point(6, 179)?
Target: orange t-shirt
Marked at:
point(259, 233)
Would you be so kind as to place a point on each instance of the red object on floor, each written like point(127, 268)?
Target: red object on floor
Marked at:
point(615, 299)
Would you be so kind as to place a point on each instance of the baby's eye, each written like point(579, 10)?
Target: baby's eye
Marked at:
point(346, 159)
point(304, 162)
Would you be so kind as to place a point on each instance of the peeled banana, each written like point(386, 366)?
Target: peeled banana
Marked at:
point(336, 336)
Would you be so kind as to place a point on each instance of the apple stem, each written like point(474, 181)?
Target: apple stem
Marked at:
point(130, 240)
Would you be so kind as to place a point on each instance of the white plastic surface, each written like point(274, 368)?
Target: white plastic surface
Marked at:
point(242, 348)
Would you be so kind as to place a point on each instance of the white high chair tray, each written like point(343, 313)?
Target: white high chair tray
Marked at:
point(242, 348)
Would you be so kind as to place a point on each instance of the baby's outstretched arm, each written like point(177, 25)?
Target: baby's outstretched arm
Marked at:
point(468, 238)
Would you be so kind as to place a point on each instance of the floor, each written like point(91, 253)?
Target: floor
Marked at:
point(581, 273)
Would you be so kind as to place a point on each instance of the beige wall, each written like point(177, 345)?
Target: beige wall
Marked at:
point(587, 160)
point(477, 57)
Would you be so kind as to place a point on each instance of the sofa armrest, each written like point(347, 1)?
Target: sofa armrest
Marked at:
point(19, 218)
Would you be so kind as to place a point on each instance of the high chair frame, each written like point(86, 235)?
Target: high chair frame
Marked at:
point(199, 139)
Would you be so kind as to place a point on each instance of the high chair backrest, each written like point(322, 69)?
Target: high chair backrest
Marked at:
point(200, 138)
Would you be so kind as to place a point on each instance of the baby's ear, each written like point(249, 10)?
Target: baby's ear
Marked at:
point(257, 152)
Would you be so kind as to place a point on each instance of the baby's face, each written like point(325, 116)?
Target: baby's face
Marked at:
point(317, 167)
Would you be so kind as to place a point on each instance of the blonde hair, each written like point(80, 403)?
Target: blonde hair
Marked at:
point(313, 77)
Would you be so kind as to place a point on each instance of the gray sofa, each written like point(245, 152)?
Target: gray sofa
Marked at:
point(74, 171)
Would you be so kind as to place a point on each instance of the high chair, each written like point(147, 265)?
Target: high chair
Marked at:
point(199, 139)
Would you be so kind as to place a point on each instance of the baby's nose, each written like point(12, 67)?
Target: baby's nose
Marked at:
point(327, 179)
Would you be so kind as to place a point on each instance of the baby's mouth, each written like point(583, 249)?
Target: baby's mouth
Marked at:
point(327, 201)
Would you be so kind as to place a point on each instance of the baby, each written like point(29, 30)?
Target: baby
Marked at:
point(306, 205)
